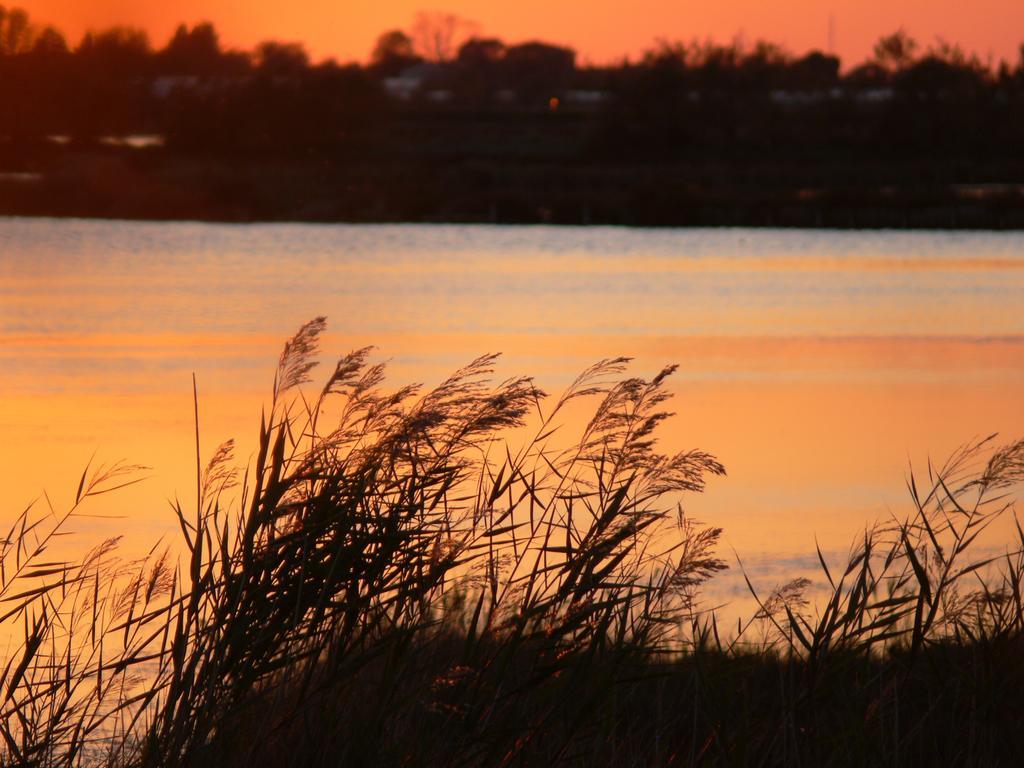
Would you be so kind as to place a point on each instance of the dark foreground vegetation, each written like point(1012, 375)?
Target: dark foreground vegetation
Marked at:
point(397, 581)
point(442, 126)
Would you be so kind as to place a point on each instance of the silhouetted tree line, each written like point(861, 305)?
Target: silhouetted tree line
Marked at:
point(679, 99)
point(765, 100)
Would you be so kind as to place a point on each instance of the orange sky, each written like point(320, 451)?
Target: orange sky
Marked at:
point(601, 30)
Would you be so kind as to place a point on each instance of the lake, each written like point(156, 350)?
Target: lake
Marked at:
point(817, 365)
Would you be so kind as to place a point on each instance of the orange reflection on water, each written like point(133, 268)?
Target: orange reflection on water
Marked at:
point(816, 366)
point(816, 433)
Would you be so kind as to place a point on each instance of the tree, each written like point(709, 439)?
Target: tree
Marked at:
point(111, 89)
point(667, 54)
point(50, 43)
point(115, 54)
point(539, 71)
point(193, 51)
point(481, 51)
point(15, 31)
point(477, 74)
point(954, 55)
point(393, 52)
point(814, 71)
point(764, 67)
point(116, 42)
point(282, 59)
point(437, 35)
point(392, 44)
point(896, 51)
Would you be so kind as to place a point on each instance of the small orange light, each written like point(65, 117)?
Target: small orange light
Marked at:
point(553, 103)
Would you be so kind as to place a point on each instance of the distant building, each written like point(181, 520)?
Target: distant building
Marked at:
point(874, 95)
point(411, 80)
point(165, 85)
point(580, 97)
point(801, 98)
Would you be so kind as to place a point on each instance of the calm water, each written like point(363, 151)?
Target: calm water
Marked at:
point(816, 365)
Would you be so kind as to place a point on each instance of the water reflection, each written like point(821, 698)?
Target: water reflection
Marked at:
point(814, 364)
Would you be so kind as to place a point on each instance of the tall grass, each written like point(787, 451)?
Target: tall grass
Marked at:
point(397, 580)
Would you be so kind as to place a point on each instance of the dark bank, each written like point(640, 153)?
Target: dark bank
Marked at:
point(691, 134)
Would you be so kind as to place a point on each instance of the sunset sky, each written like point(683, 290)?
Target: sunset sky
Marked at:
point(601, 30)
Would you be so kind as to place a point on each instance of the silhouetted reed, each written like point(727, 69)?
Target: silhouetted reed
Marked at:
point(397, 581)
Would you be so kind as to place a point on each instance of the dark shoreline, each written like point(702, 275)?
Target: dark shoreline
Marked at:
point(160, 186)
